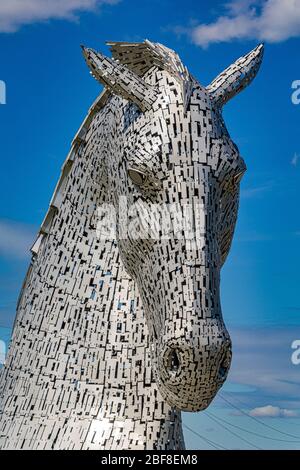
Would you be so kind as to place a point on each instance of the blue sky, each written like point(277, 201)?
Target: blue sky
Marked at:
point(49, 91)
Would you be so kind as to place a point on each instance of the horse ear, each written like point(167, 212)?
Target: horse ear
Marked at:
point(236, 77)
point(120, 80)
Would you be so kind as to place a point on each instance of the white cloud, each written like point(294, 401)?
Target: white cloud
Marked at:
point(16, 239)
point(15, 13)
point(262, 361)
point(236, 7)
point(257, 191)
point(270, 411)
point(263, 20)
point(295, 159)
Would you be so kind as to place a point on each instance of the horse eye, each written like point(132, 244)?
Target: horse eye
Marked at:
point(138, 177)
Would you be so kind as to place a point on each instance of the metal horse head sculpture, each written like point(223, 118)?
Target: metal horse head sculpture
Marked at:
point(116, 333)
point(168, 146)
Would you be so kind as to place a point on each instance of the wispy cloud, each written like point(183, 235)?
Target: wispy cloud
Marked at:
point(295, 159)
point(16, 239)
point(264, 20)
point(262, 361)
point(270, 411)
point(257, 191)
point(256, 237)
point(15, 13)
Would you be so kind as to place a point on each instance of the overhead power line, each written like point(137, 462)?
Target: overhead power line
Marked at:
point(256, 419)
point(232, 432)
point(213, 444)
point(249, 432)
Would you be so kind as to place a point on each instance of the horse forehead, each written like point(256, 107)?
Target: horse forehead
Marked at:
point(173, 111)
point(149, 134)
point(188, 87)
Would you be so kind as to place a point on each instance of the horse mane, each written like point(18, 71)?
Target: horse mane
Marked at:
point(141, 56)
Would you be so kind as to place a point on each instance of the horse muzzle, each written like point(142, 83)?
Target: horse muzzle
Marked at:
point(189, 373)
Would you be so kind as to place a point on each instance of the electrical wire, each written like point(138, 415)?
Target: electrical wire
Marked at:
point(233, 433)
point(247, 430)
point(213, 444)
point(255, 419)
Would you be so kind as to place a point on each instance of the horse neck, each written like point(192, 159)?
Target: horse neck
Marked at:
point(80, 326)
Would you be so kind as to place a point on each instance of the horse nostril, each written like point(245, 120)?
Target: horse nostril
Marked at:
point(222, 370)
point(224, 366)
point(173, 362)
